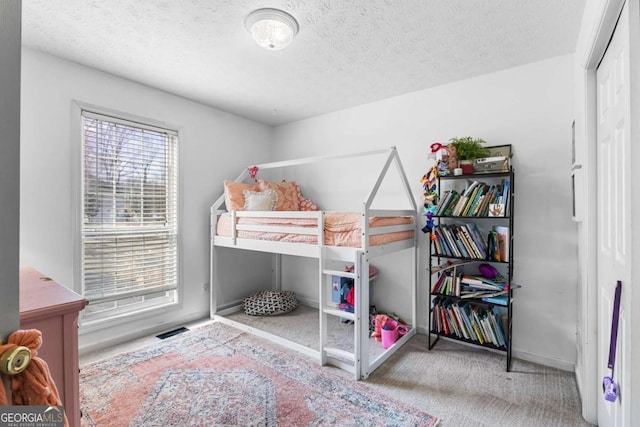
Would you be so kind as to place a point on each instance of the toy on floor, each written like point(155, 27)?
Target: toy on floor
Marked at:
point(379, 320)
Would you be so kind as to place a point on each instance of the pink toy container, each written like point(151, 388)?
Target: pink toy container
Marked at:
point(389, 335)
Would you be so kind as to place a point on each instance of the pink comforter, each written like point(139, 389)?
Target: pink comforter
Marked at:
point(340, 229)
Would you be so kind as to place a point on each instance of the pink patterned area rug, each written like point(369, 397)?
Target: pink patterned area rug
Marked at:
point(218, 375)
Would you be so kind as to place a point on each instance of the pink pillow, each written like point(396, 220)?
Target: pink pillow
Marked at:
point(308, 204)
point(233, 194)
point(287, 194)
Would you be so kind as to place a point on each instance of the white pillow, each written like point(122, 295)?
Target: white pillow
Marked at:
point(260, 200)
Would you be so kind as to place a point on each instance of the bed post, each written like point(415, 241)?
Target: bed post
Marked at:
point(322, 321)
point(213, 300)
point(361, 329)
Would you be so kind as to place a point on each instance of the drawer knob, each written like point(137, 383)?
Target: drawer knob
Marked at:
point(15, 361)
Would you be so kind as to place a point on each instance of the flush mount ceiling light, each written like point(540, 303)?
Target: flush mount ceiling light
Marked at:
point(272, 29)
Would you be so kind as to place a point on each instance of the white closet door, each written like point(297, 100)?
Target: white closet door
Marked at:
point(614, 209)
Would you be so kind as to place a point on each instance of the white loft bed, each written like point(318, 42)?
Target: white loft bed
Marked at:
point(361, 362)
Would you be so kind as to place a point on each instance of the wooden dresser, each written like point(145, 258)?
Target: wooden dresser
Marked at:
point(53, 309)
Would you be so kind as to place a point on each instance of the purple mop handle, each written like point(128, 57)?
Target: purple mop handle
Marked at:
point(614, 327)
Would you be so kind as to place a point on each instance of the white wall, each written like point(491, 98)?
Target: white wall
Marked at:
point(214, 145)
point(530, 107)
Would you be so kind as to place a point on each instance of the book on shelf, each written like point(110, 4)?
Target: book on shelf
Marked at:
point(480, 317)
point(437, 321)
point(490, 198)
point(470, 293)
point(503, 241)
point(462, 240)
point(498, 328)
point(442, 324)
point(438, 244)
point(471, 185)
point(448, 264)
point(442, 242)
point(486, 199)
point(474, 200)
point(462, 248)
point(438, 285)
point(495, 329)
point(471, 280)
point(458, 240)
point(450, 320)
point(489, 331)
point(451, 241)
point(497, 300)
point(459, 205)
point(493, 248)
point(505, 195)
point(462, 312)
point(444, 201)
point(451, 202)
point(459, 322)
point(468, 321)
point(481, 282)
point(472, 228)
point(473, 208)
point(470, 201)
point(448, 283)
point(476, 327)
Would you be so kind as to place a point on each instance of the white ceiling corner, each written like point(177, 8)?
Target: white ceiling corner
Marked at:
point(347, 53)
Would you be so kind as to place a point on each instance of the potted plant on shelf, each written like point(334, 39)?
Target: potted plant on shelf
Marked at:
point(467, 149)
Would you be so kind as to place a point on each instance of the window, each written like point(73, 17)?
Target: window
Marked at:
point(129, 217)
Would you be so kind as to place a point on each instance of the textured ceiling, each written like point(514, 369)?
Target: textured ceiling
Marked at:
point(347, 53)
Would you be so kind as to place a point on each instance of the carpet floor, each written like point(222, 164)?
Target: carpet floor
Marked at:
point(218, 375)
point(463, 386)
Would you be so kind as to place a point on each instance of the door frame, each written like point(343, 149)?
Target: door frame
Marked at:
point(10, 66)
point(589, 53)
point(587, 62)
point(10, 54)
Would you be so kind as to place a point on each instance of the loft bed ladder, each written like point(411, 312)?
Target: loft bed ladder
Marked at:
point(359, 359)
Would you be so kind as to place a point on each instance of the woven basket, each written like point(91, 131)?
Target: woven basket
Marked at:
point(269, 303)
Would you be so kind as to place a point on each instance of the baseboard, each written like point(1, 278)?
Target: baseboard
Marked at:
point(136, 334)
point(543, 360)
point(308, 302)
point(524, 355)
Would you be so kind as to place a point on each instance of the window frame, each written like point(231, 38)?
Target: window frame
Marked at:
point(77, 209)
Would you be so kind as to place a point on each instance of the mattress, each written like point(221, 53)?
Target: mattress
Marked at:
point(340, 229)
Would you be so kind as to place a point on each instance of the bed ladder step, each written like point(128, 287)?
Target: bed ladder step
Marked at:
point(338, 353)
point(339, 273)
point(340, 313)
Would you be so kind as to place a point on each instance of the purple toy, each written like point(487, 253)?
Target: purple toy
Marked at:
point(488, 271)
point(609, 386)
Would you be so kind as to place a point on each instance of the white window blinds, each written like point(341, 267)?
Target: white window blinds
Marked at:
point(129, 203)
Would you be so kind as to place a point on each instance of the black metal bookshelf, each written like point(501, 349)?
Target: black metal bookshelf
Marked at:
point(436, 300)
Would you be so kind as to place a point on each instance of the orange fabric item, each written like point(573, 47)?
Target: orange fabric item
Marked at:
point(34, 386)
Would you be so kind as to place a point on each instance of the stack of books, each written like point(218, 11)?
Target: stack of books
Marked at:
point(467, 321)
point(475, 201)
